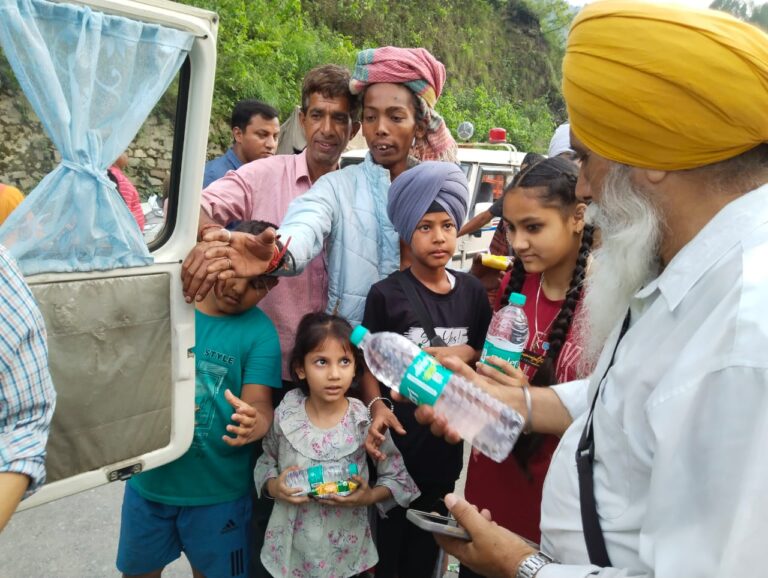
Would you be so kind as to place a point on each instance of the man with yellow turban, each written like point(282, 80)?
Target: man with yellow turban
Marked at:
point(661, 470)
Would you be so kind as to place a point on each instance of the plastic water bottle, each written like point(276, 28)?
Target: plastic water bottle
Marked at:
point(323, 480)
point(508, 333)
point(482, 420)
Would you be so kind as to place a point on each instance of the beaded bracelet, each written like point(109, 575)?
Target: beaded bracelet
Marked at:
point(387, 402)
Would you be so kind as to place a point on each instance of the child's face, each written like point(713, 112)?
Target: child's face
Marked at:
point(434, 240)
point(542, 237)
point(240, 295)
point(329, 370)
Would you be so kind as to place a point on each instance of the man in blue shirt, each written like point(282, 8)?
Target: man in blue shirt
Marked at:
point(255, 128)
point(27, 396)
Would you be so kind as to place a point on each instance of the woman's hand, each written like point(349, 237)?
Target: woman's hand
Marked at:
point(278, 490)
point(383, 419)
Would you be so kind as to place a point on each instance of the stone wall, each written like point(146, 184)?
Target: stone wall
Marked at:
point(27, 154)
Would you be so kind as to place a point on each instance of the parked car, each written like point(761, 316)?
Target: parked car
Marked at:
point(489, 168)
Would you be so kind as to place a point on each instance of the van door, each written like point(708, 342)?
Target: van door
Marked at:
point(119, 335)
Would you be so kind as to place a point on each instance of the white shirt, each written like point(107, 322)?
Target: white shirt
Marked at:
point(681, 471)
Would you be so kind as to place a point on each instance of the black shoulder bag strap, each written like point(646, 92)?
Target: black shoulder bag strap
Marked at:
point(585, 458)
point(418, 307)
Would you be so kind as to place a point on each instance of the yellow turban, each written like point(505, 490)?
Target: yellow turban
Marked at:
point(665, 87)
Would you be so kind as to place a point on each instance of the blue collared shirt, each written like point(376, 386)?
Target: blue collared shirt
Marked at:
point(27, 397)
point(218, 167)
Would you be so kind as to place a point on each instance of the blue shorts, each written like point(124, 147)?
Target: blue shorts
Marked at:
point(214, 538)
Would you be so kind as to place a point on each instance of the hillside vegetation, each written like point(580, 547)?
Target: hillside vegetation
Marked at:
point(502, 56)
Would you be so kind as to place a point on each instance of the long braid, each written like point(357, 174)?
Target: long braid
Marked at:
point(516, 280)
point(546, 374)
point(554, 181)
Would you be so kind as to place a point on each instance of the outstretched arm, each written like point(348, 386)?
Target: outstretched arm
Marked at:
point(475, 223)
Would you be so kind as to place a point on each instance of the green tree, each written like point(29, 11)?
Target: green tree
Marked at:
point(744, 10)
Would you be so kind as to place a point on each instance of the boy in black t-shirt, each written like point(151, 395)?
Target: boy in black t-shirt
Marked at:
point(426, 205)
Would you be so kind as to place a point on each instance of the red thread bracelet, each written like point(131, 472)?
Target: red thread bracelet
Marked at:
point(278, 256)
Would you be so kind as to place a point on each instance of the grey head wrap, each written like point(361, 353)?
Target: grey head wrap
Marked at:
point(413, 192)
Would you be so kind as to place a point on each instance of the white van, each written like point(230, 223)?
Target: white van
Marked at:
point(118, 336)
point(489, 169)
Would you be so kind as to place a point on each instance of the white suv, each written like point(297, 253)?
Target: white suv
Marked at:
point(489, 169)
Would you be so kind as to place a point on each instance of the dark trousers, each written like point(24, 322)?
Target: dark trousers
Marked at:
point(406, 551)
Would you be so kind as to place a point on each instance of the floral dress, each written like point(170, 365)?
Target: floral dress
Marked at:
point(319, 539)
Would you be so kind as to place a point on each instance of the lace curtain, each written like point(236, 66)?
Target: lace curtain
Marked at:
point(92, 79)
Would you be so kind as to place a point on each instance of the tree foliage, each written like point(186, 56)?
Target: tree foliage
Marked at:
point(502, 56)
point(746, 10)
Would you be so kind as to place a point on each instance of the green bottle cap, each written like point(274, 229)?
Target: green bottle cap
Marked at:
point(515, 299)
point(358, 334)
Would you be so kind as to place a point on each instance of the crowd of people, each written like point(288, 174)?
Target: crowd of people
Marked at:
point(640, 245)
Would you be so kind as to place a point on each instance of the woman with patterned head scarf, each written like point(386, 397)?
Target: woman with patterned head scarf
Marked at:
point(417, 78)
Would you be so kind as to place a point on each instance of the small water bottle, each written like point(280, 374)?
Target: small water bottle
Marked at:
point(508, 333)
point(323, 480)
point(482, 420)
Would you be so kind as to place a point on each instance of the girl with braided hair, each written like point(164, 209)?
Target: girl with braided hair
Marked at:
point(551, 243)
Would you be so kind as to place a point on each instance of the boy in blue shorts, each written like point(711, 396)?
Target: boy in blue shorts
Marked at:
point(426, 205)
point(201, 503)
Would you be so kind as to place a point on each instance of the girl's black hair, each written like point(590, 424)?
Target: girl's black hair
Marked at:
point(313, 330)
point(556, 177)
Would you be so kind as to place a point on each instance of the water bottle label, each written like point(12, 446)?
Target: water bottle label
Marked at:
point(315, 475)
point(502, 349)
point(424, 380)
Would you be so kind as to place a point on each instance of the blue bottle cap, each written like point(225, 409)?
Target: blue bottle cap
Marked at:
point(515, 299)
point(353, 469)
point(358, 334)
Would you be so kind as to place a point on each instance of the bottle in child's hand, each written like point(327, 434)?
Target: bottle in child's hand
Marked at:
point(323, 480)
point(482, 420)
point(508, 332)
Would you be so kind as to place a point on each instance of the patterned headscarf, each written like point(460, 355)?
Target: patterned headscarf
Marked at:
point(424, 75)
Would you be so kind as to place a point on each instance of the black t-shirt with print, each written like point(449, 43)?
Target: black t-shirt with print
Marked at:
point(460, 317)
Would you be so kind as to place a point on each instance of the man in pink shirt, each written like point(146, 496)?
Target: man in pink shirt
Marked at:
point(264, 188)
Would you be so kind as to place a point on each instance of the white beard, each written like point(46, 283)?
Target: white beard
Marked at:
point(630, 231)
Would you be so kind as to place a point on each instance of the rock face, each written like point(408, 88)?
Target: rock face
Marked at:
point(27, 154)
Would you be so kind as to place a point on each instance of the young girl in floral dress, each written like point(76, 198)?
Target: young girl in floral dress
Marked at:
point(317, 423)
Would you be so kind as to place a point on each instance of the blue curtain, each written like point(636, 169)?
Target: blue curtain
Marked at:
point(92, 79)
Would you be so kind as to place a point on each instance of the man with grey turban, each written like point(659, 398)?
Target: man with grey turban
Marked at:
point(426, 204)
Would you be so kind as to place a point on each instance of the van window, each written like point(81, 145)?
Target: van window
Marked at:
point(93, 144)
point(490, 186)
